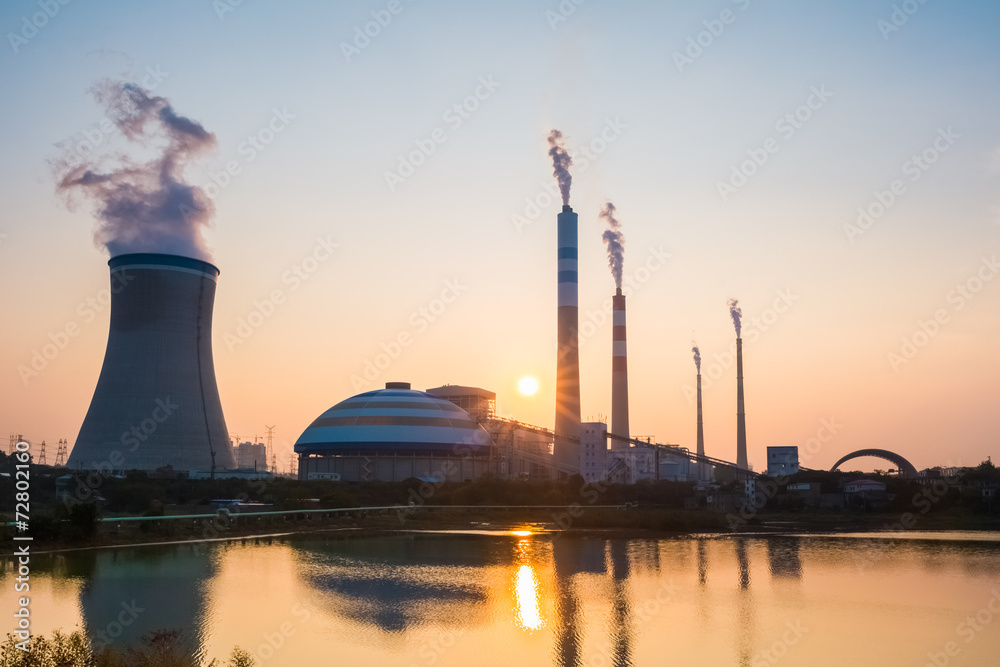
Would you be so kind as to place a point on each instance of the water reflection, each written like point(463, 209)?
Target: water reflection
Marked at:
point(526, 591)
point(401, 583)
point(702, 563)
point(569, 558)
point(506, 599)
point(745, 618)
point(783, 557)
point(127, 594)
point(621, 630)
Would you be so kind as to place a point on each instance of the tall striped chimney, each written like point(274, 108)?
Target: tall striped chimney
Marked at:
point(741, 418)
point(702, 466)
point(567, 427)
point(619, 372)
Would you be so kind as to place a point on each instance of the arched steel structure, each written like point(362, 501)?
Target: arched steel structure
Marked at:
point(905, 467)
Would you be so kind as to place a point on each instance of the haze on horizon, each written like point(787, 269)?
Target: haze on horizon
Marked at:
point(833, 167)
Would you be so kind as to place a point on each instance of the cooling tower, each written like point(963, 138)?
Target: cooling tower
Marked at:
point(567, 427)
point(702, 467)
point(619, 373)
point(156, 402)
point(741, 418)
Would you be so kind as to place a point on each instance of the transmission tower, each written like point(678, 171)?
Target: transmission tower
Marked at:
point(61, 453)
point(41, 454)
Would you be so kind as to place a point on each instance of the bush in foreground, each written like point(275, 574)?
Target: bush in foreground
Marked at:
point(74, 650)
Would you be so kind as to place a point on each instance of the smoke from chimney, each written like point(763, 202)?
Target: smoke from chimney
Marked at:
point(697, 356)
point(561, 162)
point(142, 206)
point(615, 241)
point(737, 314)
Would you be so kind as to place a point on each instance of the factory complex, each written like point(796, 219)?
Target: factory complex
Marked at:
point(156, 406)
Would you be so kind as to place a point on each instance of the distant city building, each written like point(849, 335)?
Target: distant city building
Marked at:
point(593, 450)
point(782, 461)
point(251, 456)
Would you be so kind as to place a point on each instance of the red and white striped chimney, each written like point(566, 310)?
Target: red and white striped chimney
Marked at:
point(619, 372)
point(702, 466)
point(742, 461)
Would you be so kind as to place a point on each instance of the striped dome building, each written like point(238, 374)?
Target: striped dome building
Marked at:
point(393, 434)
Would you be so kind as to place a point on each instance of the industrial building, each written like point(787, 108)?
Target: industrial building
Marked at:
point(157, 404)
point(782, 461)
point(394, 434)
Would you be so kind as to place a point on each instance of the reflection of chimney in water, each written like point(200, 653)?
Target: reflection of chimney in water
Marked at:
point(621, 629)
point(702, 563)
point(743, 563)
point(783, 558)
point(567, 606)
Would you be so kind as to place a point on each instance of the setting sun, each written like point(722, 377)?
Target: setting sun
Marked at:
point(527, 386)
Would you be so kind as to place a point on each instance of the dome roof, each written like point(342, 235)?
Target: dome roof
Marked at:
point(394, 419)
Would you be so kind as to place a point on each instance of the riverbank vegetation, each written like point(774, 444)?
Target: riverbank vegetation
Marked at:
point(160, 649)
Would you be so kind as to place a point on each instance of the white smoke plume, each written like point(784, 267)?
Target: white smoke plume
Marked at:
point(142, 206)
point(737, 314)
point(561, 162)
point(615, 241)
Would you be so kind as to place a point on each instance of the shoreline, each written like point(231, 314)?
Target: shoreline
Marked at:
point(764, 529)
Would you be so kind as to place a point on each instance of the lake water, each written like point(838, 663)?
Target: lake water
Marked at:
point(447, 599)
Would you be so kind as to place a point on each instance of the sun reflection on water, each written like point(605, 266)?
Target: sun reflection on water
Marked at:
point(526, 592)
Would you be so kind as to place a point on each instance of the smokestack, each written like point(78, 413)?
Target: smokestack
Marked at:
point(741, 418)
point(568, 361)
point(702, 467)
point(157, 402)
point(741, 421)
point(619, 372)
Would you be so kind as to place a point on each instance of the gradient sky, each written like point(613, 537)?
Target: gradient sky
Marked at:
point(680, 132)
